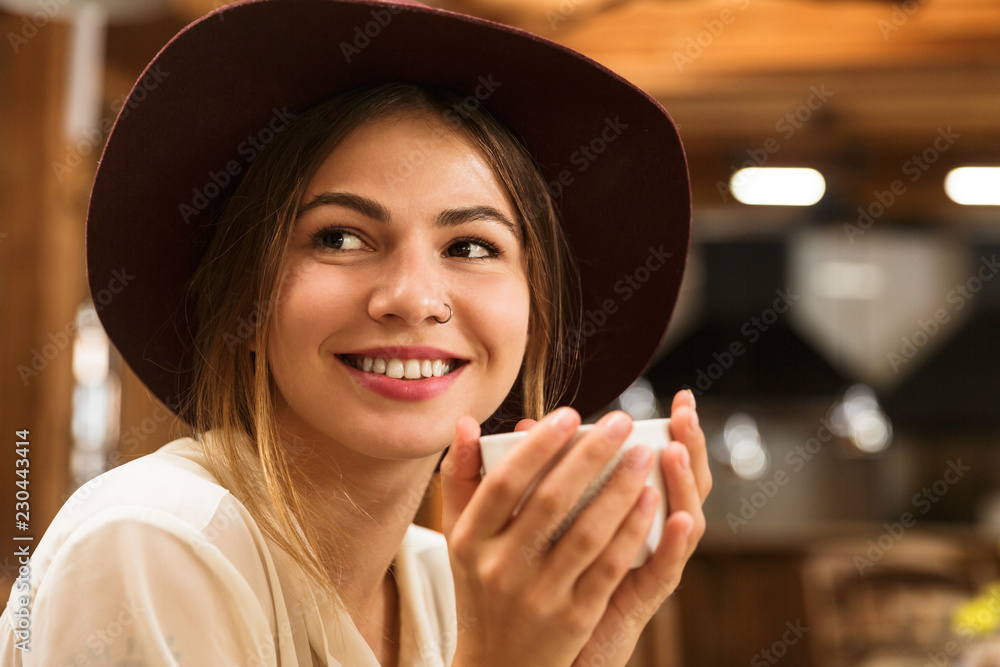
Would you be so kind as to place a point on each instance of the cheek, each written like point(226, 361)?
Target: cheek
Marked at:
point(504, 310)
point(310, 306)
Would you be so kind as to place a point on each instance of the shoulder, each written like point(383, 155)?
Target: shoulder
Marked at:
point(166, 496)
point(171, 482)
point(173, 478)
point(152, 545)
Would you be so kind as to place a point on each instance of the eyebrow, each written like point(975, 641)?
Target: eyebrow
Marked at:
point(369, 208)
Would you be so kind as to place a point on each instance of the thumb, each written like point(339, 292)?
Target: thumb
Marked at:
point(460, 472)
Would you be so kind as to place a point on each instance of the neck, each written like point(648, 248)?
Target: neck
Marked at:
point(366, 506)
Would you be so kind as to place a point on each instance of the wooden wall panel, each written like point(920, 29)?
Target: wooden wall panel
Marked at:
point(41, 219)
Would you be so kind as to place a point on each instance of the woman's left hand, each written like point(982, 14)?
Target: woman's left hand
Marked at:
point(643, 590)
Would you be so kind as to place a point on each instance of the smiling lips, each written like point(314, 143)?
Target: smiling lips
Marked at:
point(391, 383)
point(394, 367)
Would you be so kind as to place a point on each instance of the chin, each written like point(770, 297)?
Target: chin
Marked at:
point(396, 436)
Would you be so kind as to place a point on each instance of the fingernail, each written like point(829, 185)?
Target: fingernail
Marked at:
point(562, 420)
point(694, 417)
point(616, 426)
point(691, 396)
point(636, 457)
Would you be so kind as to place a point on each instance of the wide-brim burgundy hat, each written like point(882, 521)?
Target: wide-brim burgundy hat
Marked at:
point(212, 97)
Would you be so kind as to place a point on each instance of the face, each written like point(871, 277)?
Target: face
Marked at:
point(403, 217)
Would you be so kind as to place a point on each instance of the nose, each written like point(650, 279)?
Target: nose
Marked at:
point(411, 286)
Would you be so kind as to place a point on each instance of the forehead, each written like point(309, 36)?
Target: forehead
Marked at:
point(414, 159)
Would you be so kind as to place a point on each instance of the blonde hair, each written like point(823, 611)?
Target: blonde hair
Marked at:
point(236, 286)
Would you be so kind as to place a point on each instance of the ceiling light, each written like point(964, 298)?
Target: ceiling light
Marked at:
point(849, 280)
point(761, 186)
point(974, 186)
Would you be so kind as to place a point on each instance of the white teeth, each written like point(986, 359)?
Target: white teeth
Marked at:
point(410, 369)
point(394, 369)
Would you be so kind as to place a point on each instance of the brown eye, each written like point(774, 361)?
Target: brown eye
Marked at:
point(475, 249)
point(336, 239)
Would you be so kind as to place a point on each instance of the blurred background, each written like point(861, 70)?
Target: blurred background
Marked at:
point(839, 323)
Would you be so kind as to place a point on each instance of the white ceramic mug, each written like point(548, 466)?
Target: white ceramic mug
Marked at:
point(650, 432)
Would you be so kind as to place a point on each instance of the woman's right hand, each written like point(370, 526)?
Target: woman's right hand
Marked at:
point(526, 601)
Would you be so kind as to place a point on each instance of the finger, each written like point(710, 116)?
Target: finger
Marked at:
point(548, 510)
point(684, 397)
point(596, 527)
point(603, 574)
point(684, 428)
point(525, 425)
point(645, 588)
point(648, 586)
point(606, 573)
point(660, 575)
point(515, 472)
point(460, 476)
point(682, 490)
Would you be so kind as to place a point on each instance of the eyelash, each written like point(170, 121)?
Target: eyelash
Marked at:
point(318, 237)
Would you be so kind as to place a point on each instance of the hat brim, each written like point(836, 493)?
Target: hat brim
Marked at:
point(206, 104)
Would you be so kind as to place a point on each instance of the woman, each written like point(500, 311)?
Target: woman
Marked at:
point(337, 277)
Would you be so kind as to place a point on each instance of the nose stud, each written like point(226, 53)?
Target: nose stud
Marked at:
point(450, 313)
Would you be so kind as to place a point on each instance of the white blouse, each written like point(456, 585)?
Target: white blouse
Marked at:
point(154, 563)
